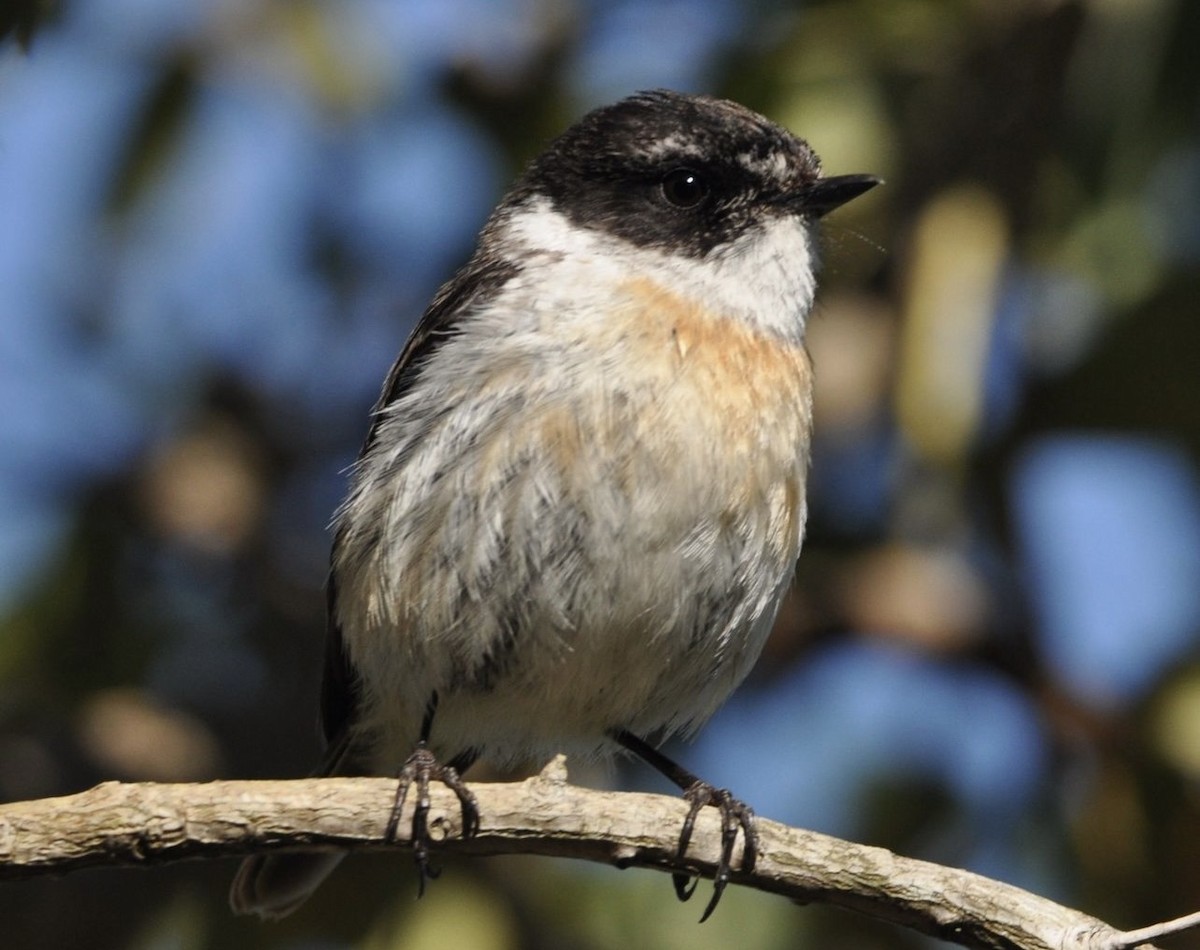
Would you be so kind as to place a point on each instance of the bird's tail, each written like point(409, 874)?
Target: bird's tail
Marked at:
point(273, 885)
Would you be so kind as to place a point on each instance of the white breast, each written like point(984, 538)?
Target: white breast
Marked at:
point(582, 516)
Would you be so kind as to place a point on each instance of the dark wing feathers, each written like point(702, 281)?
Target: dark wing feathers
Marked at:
point(339, 683)
point(475, 284)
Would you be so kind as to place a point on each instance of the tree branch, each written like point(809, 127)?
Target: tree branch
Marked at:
point(118, 824)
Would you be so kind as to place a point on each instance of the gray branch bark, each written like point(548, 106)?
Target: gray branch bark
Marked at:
point(118, 824)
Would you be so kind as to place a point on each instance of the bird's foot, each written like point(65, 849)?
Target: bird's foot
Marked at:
point(420, 769)
point(735, 814)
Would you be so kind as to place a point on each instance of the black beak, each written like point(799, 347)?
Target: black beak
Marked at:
point(825, 194)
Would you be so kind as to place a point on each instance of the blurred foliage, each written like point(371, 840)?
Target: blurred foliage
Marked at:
point(21, 19)
point(221, 220)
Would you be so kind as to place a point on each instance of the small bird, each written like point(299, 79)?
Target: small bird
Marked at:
point(582, 495)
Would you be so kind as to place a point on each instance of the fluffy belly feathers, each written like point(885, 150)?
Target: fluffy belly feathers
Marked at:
point(595, 534)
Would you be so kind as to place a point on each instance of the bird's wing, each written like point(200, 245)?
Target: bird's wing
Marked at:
point(472, 287)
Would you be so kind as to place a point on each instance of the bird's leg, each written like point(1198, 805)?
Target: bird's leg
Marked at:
point(735, 814)
point(419, 770)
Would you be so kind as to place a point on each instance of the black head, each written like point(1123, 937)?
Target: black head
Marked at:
point(682, 173)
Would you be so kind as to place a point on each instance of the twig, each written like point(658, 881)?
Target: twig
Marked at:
point(118, 824)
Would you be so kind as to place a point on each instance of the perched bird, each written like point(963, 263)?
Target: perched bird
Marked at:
point(582, 495)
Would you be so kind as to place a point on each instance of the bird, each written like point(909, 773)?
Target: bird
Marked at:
point(581, 497)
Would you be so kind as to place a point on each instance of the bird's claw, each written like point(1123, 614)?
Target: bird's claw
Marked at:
point(735, 814)
point(420, 769)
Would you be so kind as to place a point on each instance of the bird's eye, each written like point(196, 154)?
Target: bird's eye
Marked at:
point(684, 188)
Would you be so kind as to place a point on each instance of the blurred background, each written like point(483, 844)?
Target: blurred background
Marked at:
point(218, 222)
